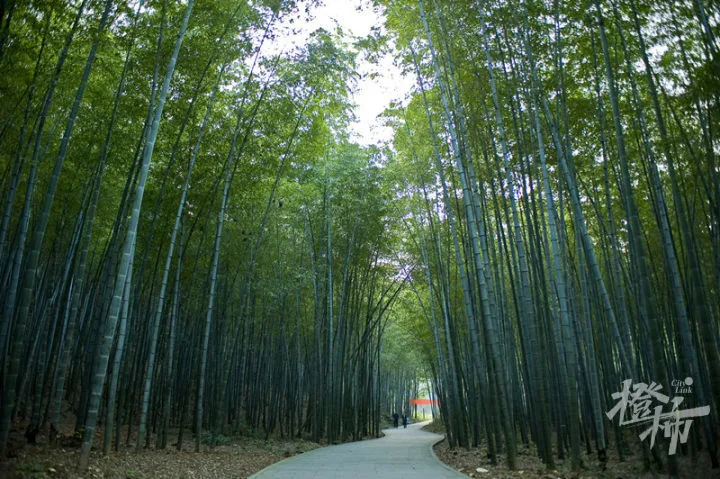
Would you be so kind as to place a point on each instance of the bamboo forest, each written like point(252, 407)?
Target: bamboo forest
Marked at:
point(196, 246)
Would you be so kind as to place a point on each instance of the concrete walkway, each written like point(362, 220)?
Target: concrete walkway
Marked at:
point(402, 453)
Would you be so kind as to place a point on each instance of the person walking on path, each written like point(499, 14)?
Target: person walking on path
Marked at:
point(405, 421)
point(396, 416)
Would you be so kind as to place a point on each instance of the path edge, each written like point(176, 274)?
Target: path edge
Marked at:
point(256, 475)
point(271, 466)
point(432, 451)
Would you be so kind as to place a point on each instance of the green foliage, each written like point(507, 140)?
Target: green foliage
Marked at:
point(211, 439)
point(33, 470)
point(341, 282)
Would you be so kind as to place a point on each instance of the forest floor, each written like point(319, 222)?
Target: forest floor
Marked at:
point(235, 457)
point(231, 457)
point(476, 464)
point(238, 458)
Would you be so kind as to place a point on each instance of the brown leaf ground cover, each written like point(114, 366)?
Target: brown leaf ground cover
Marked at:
point(529, 465)
point(231, 457)
point(242, 458)
point(236, 457)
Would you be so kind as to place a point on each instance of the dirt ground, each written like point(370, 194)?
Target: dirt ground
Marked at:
point(238, 460)
point(231, 457)
point(241, 457)
point(476, 464)
point(237, 457)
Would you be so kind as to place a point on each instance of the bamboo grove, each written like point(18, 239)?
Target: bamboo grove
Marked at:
point(190, 245)
point(562, 193)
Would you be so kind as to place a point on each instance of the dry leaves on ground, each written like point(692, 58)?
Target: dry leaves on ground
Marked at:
point(475, 463)
point(237, 460)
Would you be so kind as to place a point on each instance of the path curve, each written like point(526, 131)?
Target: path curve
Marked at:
point(402, 453)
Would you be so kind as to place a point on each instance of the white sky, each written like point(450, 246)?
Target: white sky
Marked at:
point(371, 95)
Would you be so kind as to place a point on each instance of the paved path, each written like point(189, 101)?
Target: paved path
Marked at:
point(402, 453)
